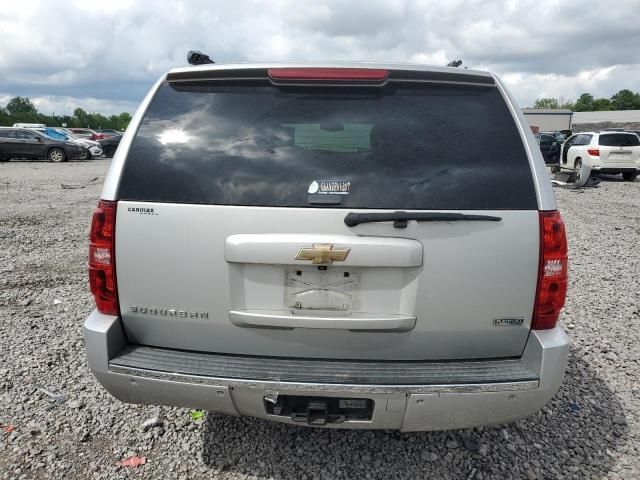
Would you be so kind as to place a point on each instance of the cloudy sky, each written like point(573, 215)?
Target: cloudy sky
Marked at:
point(104, 55)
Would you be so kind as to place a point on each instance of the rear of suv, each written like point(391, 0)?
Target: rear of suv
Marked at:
point(356, 246)
point(610, 152)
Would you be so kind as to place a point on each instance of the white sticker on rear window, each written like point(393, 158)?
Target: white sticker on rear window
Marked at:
point(329, 187)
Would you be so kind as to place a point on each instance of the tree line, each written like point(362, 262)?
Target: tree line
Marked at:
point(22, 110)
point(623, 100)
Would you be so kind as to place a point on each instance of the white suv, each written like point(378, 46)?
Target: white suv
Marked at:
point(605, 152)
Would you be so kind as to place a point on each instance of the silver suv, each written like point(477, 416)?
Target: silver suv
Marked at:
point(357, 246)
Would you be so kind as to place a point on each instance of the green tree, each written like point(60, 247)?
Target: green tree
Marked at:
point(21, 109)
point(566, 104)
point(625, 100)
point(97, 121)
point(584, 103)
point(4, 117)
point(123, 122)
point(601, 104)
point(80, 118)
point(546, 103)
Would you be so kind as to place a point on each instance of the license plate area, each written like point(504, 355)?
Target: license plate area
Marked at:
point(624, 156)
point(321, 288)
point(320, 410)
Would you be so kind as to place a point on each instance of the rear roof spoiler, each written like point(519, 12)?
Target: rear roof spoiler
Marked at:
point(262, 73)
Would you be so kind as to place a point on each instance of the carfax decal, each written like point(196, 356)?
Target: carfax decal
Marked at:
point(330, 187)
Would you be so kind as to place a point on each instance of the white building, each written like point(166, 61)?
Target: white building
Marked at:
point(547, 119)
point(614, 116)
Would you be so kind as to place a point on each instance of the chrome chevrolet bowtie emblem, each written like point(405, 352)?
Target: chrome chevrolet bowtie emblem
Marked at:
point(323, 253)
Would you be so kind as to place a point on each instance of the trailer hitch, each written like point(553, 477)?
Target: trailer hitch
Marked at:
point(317, 413)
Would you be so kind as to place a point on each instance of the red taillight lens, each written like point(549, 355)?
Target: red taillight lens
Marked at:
point(102, 268)
point(595, 152)
point(370, 74)
point(552, 272)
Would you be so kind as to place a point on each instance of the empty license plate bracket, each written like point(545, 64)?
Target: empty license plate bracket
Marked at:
point(321, 288)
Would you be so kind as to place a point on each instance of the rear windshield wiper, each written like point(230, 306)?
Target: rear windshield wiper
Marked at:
point(400, 219)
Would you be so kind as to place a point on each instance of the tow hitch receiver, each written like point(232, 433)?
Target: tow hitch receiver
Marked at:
point(319, 411)
point(317, 414)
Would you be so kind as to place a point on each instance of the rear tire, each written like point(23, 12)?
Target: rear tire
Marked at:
point(630, 176)
point(56, 155)
point(555, 169)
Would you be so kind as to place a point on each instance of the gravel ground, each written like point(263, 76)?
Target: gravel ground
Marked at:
point(589, 430)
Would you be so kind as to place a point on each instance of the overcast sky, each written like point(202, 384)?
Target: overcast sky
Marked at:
point(104, 55)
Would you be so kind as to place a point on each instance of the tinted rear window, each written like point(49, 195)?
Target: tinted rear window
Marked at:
point(619, 140)
point(399, 147)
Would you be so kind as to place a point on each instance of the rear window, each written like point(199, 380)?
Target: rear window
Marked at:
point(619, 140)
point(423, 146)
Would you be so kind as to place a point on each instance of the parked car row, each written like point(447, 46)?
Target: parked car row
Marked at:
point(94, 149)
point(94, 134)
point(608, 151)
point(55, 144)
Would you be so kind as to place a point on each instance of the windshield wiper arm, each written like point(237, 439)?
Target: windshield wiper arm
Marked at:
point(400, 219)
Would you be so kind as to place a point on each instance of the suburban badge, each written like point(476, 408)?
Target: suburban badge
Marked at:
point(507, 322)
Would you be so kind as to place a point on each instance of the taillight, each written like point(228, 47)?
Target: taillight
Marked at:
point(323, 74)
point(552, 272)
point(595, 152)
point(102, 267)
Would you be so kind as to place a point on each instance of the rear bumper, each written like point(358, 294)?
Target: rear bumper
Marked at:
point(597, 165)
point(615, 168)
point(408, 396)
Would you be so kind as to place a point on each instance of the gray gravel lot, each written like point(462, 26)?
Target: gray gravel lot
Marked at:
point(590, 429)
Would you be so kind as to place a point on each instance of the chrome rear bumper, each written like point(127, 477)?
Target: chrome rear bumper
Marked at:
point(407, 395)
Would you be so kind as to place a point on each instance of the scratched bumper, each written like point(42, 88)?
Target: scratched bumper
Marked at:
point(409, 397)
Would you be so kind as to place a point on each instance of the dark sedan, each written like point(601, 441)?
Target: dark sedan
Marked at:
point(24, 143)
point(110, 144)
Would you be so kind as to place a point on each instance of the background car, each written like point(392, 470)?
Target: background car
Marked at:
point(109, 132)
point(637, 132)
point(94, 149)
point(29, 125)
point(24, 143)
point(86, 133)
point(560, 135)
point(549, 147)
point(611, 152)
point(110, 145)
